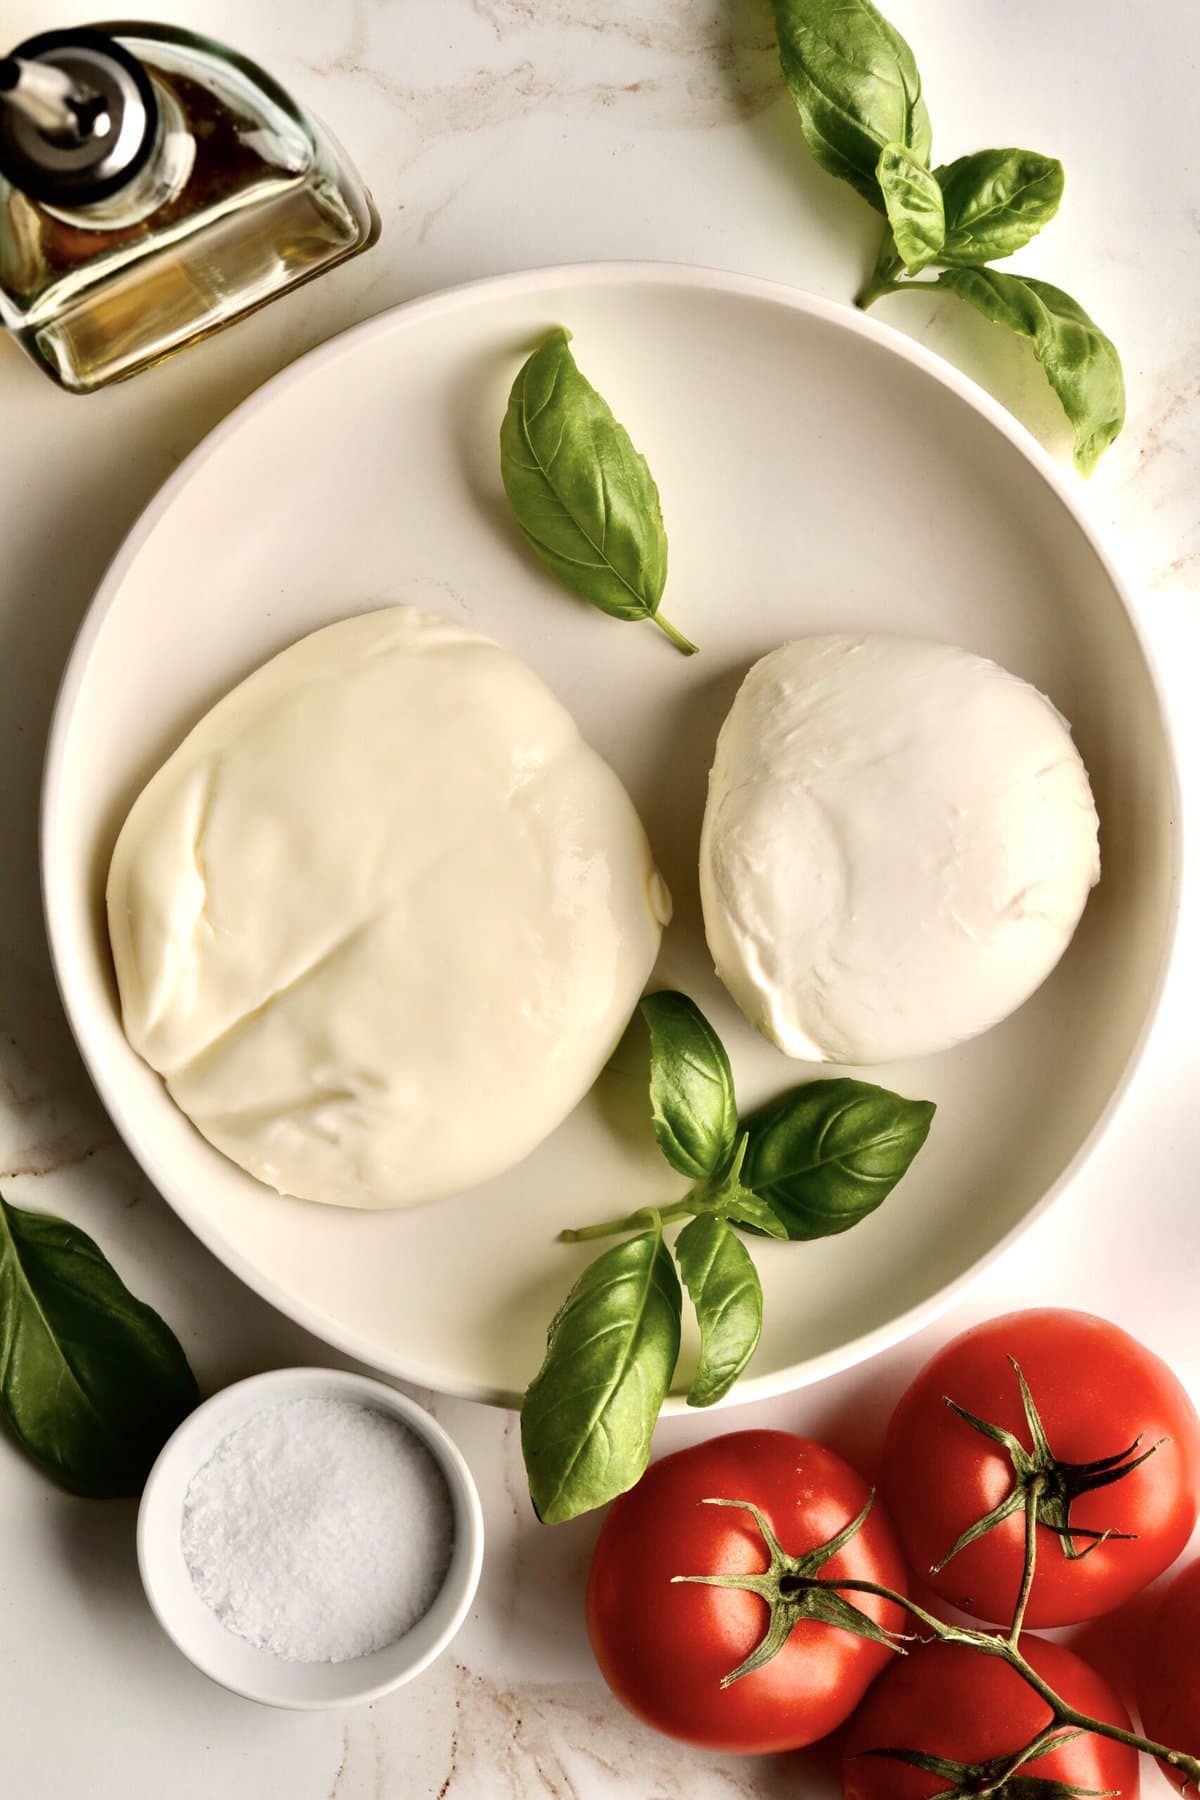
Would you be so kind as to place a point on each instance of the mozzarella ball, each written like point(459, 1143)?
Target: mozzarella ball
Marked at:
point(898, 844)
point(382, 917)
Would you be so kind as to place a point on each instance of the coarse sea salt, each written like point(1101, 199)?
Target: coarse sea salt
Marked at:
point(319, 1530)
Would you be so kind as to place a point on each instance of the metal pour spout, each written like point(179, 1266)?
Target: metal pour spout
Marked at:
point(58, 105)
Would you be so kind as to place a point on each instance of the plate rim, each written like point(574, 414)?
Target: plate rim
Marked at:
point(530, 282)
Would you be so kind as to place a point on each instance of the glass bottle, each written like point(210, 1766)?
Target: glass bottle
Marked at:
point(155, 186)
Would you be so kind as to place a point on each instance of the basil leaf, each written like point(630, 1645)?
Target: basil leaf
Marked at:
point(589, 1412)
point(1081, 364)
point(825, 1155)
point(914, 207)
point(995, 202)
point(584, 498)
point(856, 87)
point(727, 1295)
point(691, 1087)
point(91, 1380)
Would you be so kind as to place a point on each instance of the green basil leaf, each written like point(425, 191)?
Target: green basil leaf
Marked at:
point(589, 1412)
point(1081, 364)
point(856, 87)
point(91, 1380)
point(723, 1282)
point(691, 1087)
point(995, 202)
point(914, 207)
point(825, 1155)
point(582, 495)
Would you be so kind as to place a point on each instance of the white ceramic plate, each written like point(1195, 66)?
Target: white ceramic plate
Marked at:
point(818, 473)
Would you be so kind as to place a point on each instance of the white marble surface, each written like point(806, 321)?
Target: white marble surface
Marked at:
point(497, 134)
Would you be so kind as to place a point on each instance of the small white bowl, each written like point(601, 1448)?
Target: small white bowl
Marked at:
point(240, 1666)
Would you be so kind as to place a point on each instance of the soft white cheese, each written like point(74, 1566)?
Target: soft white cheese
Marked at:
point(898, 844)
point(382, 917)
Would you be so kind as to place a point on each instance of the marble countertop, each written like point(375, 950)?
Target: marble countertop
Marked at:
point(498, 134)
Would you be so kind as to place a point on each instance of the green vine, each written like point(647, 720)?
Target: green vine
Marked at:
point(794, 1588)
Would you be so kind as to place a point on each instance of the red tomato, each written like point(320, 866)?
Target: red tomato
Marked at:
point(1169, 1672)
point(663, 1647)
point(950, 1701)
point(1096, 1390)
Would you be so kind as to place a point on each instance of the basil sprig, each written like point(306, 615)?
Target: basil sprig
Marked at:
point(858, 92)
point(813, 1162)
point(582, 495)
point(91, 1380)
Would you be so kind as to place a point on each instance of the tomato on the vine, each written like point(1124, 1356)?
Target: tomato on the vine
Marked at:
point(667, 1645)
point(948, 1702)
point(1118, 1467)
point(1169, 1672)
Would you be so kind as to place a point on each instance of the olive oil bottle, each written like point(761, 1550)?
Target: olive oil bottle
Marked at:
point(155, 186)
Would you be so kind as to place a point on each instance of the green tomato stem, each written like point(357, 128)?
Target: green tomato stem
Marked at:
point(634, 1221)
point(790, 1586)
point(1032, 1495)
point(682, 644)
point(1008, 1652)
point(948, 1633)
point(1067, 1715)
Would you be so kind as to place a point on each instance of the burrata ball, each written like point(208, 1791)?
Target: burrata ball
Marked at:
point(898, 844)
